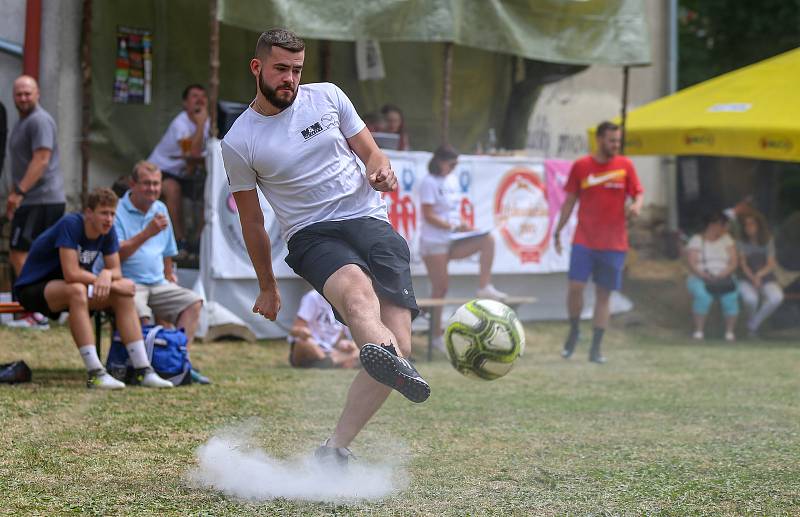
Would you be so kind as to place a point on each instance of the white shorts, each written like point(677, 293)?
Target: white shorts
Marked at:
point(433, 248)
point(166, 300)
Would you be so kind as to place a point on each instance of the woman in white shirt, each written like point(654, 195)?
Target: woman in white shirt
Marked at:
point(439, 242)
point(712, 261)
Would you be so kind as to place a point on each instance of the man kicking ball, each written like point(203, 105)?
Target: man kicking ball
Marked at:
point(299, 144)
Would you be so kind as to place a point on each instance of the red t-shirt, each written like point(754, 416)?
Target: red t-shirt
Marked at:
point(601, 189)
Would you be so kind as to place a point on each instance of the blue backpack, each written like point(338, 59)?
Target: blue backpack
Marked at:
point(166, 349)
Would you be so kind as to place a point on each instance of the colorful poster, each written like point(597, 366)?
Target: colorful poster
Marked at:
point(134, 66)
point(517, 199)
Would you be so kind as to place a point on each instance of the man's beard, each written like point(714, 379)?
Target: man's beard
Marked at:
point(272, 95)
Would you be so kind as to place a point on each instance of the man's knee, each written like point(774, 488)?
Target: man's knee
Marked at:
point(192, 311)
point(77, 293)
point(358, 302)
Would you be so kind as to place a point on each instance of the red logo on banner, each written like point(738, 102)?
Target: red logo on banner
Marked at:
point(522, 214)
point(467, 212)
point(402, 213)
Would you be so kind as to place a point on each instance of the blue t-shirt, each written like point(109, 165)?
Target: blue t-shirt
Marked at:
point(43, 261)
point(146, 265)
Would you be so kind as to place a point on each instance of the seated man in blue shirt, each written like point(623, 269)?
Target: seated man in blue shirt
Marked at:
point(147, 245)
point(57, 277)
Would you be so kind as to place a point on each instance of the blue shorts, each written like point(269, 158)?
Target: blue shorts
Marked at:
point(604, 266)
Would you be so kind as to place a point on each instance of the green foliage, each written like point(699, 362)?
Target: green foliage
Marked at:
point(717, 36)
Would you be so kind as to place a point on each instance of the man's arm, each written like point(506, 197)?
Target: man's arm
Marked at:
point(154, 227)
point(379, 170)
point(300, 329)
point(34, 172)
point(636, 207)
point(256, 239)
point(566, 211)
point(70, 267)
point(37, 166)
point(169, 271)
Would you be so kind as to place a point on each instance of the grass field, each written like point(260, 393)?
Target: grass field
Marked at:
point(668, 427)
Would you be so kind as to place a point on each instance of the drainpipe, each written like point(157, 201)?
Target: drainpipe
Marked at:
point(33, 38)
point(672, 78)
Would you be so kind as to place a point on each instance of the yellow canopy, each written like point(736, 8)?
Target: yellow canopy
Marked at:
point(752, 112)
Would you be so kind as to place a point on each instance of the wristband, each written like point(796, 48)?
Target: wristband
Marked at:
point(19, 191)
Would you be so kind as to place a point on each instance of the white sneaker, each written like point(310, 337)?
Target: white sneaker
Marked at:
point(438, 344)
point(730, 337)
point(149, 379)
point(31, 320)
point(491, 293)
point(698, 335)
point(102, 380)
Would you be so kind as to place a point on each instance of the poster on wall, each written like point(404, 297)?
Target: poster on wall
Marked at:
point(134, 66)
point(517, 199)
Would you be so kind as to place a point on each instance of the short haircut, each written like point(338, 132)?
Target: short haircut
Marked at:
point(281, 38)
point(101, 196)
point(145, 166)
point(604, 127)
point(442, 154)
point(191, 87)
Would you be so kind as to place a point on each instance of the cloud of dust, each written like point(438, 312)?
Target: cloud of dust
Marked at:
point(230, 463)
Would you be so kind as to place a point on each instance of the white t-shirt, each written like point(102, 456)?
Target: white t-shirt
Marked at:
point(713, 255)
point(167, 153)
point(301, 161)
point(442, 193)
point(317, 312)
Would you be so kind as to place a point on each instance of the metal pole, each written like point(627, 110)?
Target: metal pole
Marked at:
point(446, 89)
point(672, 163)
point(213, 66)
point(86, 87)
point(625, 71)
point(33, 38)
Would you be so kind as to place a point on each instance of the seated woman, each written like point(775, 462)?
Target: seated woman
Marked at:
point(438, 244)
point(712, 260)
point(317, 339)
point(394, 122)
point(757, 262)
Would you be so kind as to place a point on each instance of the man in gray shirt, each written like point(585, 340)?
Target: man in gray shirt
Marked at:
point(37, 198)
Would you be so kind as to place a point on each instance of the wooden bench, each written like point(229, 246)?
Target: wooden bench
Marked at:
point(428, 304)
point(16, 308)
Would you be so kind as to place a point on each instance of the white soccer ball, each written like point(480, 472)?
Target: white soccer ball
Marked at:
point(483, 339)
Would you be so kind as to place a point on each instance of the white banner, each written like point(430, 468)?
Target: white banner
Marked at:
point(517, 198)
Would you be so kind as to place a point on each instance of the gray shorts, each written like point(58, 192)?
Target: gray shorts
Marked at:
point(167, 301)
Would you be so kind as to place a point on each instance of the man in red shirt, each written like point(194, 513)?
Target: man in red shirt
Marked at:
point(602, 181)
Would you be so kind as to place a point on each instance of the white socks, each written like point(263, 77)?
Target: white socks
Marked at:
point(138, 354)
point(89, 356)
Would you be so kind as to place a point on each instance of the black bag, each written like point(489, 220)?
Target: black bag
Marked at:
point(717, 286)
point(720, 286)
point(15, 372)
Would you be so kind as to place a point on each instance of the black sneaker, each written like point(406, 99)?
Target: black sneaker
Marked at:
point(198, 377)
point(337, 456)
point(384, 365)
point(569, 344)
point(596, 357)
